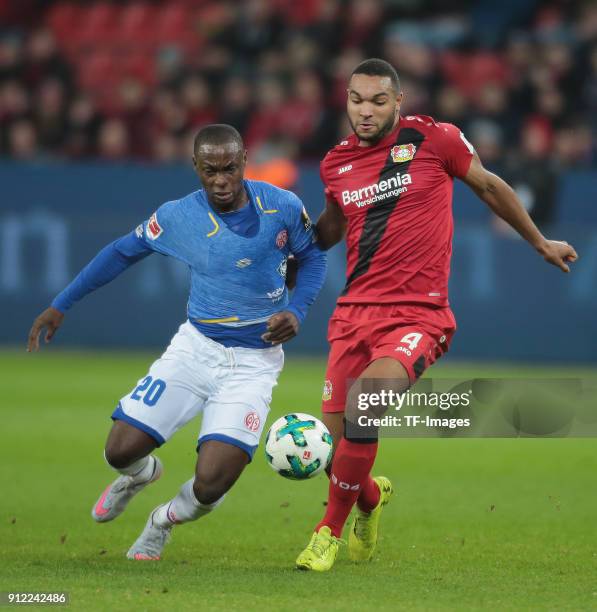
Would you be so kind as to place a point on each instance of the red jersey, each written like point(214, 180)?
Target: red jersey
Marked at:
point(397, 200)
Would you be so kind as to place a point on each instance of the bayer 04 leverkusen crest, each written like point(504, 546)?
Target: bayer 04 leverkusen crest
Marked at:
point(403, 152)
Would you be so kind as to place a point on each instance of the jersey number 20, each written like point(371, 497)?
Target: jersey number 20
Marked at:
point(149, 390)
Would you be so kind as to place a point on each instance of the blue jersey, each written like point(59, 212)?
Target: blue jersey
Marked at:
point(237, 260)
point(234, 279)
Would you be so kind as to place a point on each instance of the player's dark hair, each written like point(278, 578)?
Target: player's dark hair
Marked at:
point(378, 67)
point(217, 134)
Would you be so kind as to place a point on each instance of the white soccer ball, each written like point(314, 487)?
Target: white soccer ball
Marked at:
point(298, 446)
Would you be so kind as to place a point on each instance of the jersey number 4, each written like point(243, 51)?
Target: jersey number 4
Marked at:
point(149, 390)
point(412, 340)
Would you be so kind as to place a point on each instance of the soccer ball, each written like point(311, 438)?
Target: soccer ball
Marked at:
point(298, 446)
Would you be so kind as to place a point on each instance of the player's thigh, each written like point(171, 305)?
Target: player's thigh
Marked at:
point(415, 346)
point(347, 358)
point(173, 391)
point(237, 413)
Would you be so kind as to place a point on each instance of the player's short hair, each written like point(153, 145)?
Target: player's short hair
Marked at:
point(217, 134)
point(378, 67)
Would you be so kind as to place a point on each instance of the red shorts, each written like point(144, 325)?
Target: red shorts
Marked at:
point(414, 335)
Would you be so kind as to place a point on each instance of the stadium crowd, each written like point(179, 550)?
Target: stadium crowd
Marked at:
point(134, 80)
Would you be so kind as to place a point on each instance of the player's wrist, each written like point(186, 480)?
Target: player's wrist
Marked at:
point(541, 245)
point(59, 305)
point(293, 311)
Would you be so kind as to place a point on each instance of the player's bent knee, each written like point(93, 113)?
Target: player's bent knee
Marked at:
point(210, 491)
point(120, 453)
point(118, 457)
point(126, 444)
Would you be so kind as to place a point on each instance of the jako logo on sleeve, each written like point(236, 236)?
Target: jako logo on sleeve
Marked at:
point(154, 229)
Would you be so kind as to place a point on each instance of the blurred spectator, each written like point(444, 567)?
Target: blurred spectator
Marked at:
point(166, 149)
point(50, 114)
point(168, 114)
point(136, 115)
point(11, 57)
point(272, 161)
point(83, 126)
point(487, 137)
point(531, 171)
point(342, 68)
point(573, 145)
point(267, 118)
point(589, 94)
point(302, 114)
point(452, 106)
point(169, 65)
point(236, 103)
point(44, 59)
point(136, 78)
point(301, 52)
point(324, 29)
point(362, 27)
point(14, 101)
point(113, 140)
point(258, 28)
point(196, 97)
point(22, 140)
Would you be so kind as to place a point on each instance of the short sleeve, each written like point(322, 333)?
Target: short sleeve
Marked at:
point(455, 151)
point(300, 230)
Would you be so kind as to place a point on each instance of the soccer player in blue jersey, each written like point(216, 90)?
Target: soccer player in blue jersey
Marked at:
point(236, 236)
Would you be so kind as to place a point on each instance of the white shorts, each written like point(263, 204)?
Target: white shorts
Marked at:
point(231, 386)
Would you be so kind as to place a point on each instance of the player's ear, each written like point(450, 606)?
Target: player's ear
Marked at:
point(245, 157)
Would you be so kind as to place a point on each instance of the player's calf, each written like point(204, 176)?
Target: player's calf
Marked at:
point(185, 507)
point(218, 467)
point(370, 396)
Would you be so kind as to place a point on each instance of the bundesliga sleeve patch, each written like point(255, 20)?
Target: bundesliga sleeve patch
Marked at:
point(154, 229)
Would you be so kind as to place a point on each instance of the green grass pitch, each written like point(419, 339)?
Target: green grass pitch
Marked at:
point(475, 524)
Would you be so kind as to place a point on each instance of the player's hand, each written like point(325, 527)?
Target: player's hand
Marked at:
point(50, 319)
point(281, 327)
point(559, 254)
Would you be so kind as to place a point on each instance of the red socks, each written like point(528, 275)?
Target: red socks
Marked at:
point(369, 497)
point(350, 480)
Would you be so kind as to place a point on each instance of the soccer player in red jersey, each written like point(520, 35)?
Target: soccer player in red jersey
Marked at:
point(388, 189)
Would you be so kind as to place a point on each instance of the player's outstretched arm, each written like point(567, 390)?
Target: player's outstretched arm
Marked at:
point(50, 320)
point(504, 202)
point(331, 225)
point(111, 261)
